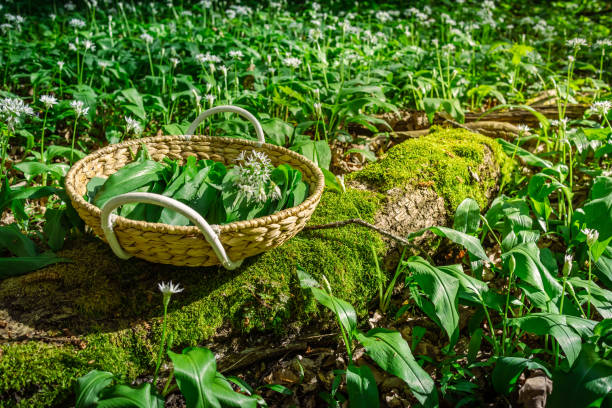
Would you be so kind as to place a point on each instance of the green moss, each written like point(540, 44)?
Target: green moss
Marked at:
point(446, 159)
point(116, 312)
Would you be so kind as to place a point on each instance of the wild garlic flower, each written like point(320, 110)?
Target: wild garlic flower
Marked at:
point(76, 23)
point(601, 107)
point(147, 38)
point(104, 64)
point(603, 43)
point(5, 27)
point(253, 176)
point(292, 62)
point(69, 6)
point(132, 126)
point(567, 264)
point(383, 16)
point(208, 57)
point(206, 4)
point(576, 42)
point(237, 54)
point(522, 128)
point(223, 69)
point(210, 98)
point(72, 47)
point(175, 62)
point(79, 108)
point(448, 48)
point(592, 235)
point(12, 111)
point(317, 107)
point(88, 45)
point(60, 64)
point(48, 101)
point(168, 288)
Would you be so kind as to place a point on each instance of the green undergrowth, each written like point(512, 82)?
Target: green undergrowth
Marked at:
point(114, 308)
point(446, 159)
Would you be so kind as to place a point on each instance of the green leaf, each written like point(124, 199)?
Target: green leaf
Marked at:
point(331, 182)
point(476, 291)
point(450, 106)
point(471, 243)
point(361, 387)
point(129, 178)
point(196, 374)
point(467, 217)
point(88, 387)
point(15, 242)
point(441, 289)
point(567, 330)
point(277, 131)
point(344, 311)
point(508, 369)
point(136, 104)
point(124, 396)
point(530, 269)
point(599, 297)
point(367, 154)
point(474, 345)
point(598, 212)
point(391, 352)
point(54, 228)
point(20, 265)
point(588, 383)
point(529, 158)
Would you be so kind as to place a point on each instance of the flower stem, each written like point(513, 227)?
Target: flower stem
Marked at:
point(161, 346)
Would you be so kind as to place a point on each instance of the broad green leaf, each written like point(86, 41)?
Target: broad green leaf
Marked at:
point(24, 264)
point(361, 387)
point(344, 311)
point(598, 211)
point(196, 374)
point(477, 291)
point(441, 289)
point(124, 396)
point(277, 131)
point(450, 106)
point(530, 269)
point(88, 387)
point(55, 229)
point(391, 352)
point(567, 330)
point(26, 193)
point(508, 369)
point(471, 243)
point(467, 217)
point(15, 242)
point(587, 384)
point(529, 158)
point(474, 345)
point(331, 182)
point(599, 297)
point(129, 178)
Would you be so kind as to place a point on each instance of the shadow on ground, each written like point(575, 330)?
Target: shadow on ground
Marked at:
point(96, 292)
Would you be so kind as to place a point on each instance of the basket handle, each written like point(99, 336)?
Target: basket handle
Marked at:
point(212, 237)
point(228, 108)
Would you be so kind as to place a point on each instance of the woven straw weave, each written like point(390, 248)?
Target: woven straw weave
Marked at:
point(185, 245)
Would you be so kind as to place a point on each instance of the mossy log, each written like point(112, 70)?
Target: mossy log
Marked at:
point(100, 312)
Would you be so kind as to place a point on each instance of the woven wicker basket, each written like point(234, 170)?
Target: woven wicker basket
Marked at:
point(200, 245)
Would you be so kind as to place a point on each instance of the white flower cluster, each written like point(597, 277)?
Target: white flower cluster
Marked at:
point(76, 23)
point(601, 107)
point(236, 54)
point(603, 43)
point(576, 42)
point(208, 57)
point(79, 108)
point(48, 101)
point(12, 110)
point(147, 38)
point(253, 177)
point(132, 126)
point(292, 62)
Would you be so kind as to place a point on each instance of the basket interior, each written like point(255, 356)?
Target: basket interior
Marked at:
point(108, 160)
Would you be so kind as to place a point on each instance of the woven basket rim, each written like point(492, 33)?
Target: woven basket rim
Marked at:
point(123, 222)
